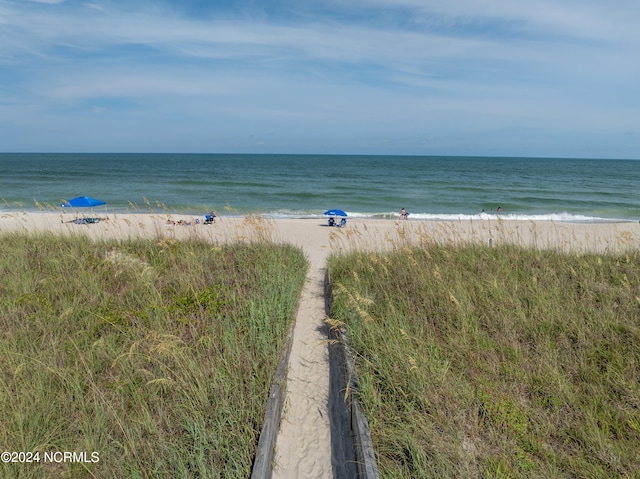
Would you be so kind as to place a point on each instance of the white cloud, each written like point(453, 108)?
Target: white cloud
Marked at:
point(451, 65)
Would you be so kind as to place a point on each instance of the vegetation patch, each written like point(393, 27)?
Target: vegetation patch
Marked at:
point(155, 354)
point(495, 362)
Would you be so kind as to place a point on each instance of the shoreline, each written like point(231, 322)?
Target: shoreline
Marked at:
point(562, 217)
point(232, 213)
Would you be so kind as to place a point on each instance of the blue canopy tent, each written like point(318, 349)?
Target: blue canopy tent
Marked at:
point(333, 215)
point(83, 202)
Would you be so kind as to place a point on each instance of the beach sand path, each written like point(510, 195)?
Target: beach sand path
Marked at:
point(303, 445)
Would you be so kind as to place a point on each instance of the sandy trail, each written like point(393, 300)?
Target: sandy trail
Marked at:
point(303, 445)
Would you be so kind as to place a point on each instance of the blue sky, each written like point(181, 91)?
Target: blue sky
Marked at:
point(458, 77)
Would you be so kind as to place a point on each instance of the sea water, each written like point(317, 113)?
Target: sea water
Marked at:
point(301, 186)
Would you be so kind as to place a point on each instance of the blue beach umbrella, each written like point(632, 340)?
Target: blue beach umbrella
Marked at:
point(335, 213)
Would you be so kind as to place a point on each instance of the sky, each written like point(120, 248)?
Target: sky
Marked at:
point(549, 78)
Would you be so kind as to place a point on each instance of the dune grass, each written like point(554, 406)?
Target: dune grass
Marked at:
point(503, 362)
point(156, 354)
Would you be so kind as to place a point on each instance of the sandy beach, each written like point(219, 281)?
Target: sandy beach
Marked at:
point(314, 236)
point(303, 446)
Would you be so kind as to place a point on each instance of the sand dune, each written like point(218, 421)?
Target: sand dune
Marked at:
point(303, 444)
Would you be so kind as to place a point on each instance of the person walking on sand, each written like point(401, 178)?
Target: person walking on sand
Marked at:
point(403, 214)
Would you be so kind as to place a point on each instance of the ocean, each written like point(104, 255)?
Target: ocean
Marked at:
point(304, 186)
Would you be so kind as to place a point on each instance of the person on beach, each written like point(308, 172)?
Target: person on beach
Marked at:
point(403, 214)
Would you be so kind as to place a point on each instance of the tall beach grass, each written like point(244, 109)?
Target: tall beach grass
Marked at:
point(157, 354)
point(495, 362)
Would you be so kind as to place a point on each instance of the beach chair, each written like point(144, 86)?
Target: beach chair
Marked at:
point(332, 221)
point(343, 222)
point(86, 221)
point(210, 218)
